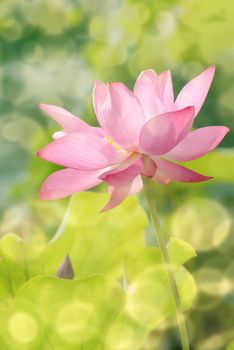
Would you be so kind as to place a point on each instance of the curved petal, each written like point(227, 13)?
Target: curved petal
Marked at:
point(167, 94)
point(137, 185)
point(149, 167)
point(65, 182)
point(122, 166)
point(168, 171)
point(119, 113)
point(146, 89)
point(123, 177)
point(155, 92)
point(196, 90)
point(82, 151)
point(117, 195)
point(67, 120)
point(161, 133)
point(197, 143)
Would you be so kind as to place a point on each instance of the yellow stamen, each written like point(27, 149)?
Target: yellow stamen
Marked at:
point(115, 145)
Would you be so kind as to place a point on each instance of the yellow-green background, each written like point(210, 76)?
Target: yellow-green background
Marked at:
point(52, 51)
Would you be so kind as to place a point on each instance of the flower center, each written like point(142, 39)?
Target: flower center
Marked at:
point(115, 145)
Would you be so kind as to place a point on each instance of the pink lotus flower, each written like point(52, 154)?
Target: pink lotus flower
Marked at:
point(141, 133)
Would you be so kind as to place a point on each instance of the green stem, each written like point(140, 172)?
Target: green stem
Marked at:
point(168, 265)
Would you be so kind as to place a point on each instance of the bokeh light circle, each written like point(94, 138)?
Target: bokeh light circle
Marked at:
point(212, 282)
point(204, 223)
point(70, 325)
point(22, 328)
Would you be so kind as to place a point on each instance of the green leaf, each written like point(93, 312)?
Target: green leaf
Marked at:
point(180, 251)
point(16, 261)
point(95, 243)
point(98, 242)
point(95, 312)
point(91, 311)
point(51, 313)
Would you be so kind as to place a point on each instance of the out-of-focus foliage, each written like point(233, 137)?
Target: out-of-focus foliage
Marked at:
point(51, 52)
point(118, 296)
point(89, 238)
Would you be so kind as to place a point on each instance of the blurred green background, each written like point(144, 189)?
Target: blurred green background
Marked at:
point(52, 52)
